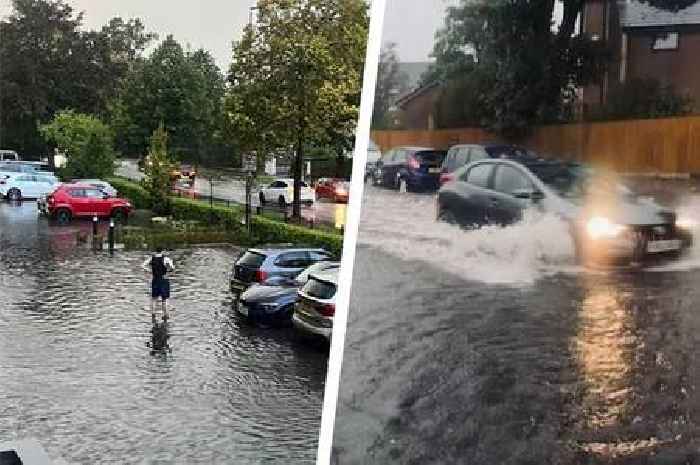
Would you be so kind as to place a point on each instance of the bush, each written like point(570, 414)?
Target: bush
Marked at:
point(644, 98)
point(265, 230)
point(134, 192)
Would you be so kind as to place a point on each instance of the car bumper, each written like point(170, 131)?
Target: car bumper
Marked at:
point(424, 180)
point(638, 245)
point(309, 328)
point(237, 287)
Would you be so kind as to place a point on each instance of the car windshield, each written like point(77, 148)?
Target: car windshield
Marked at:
point(252, 259)
point(508, 151)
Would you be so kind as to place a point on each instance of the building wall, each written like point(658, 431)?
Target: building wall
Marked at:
point(418, 113)
point(679, 67)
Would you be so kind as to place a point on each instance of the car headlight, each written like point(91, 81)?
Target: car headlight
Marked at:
point(684, 222)
point(600, 227)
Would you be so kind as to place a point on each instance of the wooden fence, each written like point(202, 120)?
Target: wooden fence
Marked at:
point(662, 146)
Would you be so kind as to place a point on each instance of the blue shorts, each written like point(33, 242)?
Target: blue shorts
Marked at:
point(160, 288)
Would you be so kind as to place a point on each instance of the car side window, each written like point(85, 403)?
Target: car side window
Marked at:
point(77, 193)
point(319, 256)
point(479, 175)
point(278, 185)
point(93, 193)
point(293, 260)
point(478, 153)
point(462, 157)
point(509, 179)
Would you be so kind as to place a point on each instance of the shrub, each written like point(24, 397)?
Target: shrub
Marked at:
point(134, 192)
point(645, 98)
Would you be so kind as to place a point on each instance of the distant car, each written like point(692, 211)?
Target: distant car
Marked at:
point(608, 224)
point(11, 167)
point(408, 168)
point(373, 156)
point(272, 301)
point(281, 191)
point(104, 186)
point(19, 186)
point(259, 264)
point(6, 155)
point(70, 201)
point(315, 309)
point(334, 189)
point(463, 154)
point(183, 171)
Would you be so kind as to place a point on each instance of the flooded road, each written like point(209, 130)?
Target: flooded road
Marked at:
point(494, 347)
point(77, 375)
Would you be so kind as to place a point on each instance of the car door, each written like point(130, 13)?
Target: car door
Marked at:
point(79, 202)
point(467, 198)
point(98, 205)
point(504, 207)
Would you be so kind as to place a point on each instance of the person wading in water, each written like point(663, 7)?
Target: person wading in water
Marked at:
point(159, 265)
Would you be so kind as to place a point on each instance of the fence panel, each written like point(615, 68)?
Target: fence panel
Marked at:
point(670, 145)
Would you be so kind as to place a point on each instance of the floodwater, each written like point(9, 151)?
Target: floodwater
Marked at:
point(494, 347)
point(77, 375)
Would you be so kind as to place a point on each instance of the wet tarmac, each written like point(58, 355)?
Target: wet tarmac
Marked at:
point(494, 347)
point(77, 375)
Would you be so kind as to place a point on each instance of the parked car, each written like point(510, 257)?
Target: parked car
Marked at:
point(373, 156)
point(6, 155)
point(315, 309)
point(11, 167)
point(272, 301)
point(19, 186)
point(463, 154)
point(335, 189)
point(259, 264)
point(607, 222)
point(104, 186)
point(282, 192)
point(184, 171)
point(70, 201)
point(407, 168)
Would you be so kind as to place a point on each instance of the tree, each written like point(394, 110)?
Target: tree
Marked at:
point(85, 140)
point(391, 82)
point(523, 68)
point(295, 77)
point(157, 170)
point(49, 64)
point(181, 89)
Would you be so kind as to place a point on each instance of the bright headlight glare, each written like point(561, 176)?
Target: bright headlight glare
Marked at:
point(602, 228)
point(686, 223)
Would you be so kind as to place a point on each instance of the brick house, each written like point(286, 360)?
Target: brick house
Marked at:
point(645, 42)
point(416, 109)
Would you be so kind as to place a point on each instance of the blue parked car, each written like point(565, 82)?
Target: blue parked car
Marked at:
point(259, 264)
point(410, 168)
point(271, 303)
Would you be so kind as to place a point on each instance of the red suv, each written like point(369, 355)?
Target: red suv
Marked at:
point(333, 188)
point(70, 201)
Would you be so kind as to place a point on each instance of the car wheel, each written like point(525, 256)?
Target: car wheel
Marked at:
point(63, 216)
point(119, 215)
point(281, 201)
point(262, 198)
point(14, 194)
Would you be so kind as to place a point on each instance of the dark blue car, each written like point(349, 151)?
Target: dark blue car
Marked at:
point(271, 303)
point(410, 168)
point(259, 264)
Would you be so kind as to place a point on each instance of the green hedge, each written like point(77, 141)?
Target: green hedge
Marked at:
point(265, 230)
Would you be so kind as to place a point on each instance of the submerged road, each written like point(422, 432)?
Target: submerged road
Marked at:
point(77, 375)
point(494, 347)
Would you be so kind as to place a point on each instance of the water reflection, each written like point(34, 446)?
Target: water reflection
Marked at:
point(77, 375)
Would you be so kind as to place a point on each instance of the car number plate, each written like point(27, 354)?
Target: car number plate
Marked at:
point(663, 246)
point(434, 170)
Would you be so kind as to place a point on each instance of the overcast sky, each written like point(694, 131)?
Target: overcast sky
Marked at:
point(412, 24)
point(209, 24)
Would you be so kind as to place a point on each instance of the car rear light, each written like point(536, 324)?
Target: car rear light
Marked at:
point(413, 163)
point(327, 310)
point(260, 276)
point(446, 177)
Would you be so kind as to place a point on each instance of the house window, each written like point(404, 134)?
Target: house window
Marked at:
point(666, 41)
